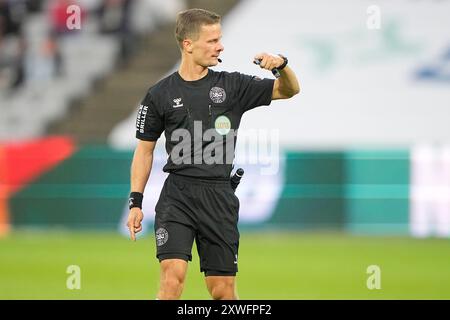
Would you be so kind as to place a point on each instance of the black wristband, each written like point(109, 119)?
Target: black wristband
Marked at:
point(135, 200)
point(284, 63)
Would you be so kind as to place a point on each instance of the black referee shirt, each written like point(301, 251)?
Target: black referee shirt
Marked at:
point(200, 119)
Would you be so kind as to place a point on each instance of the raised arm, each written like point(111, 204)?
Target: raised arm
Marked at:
point(286, 86)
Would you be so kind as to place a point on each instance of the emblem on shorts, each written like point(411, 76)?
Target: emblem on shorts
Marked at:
point(217, 95)
point(222, 125)
point(161, 236)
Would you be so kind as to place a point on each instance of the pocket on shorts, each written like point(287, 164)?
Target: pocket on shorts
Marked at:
point(160, 204)
point(235, 204)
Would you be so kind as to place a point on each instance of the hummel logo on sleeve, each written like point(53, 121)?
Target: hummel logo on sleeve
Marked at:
point(177, 103)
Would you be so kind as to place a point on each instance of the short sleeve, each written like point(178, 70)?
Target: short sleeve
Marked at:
point(149, 121)
point(254, 91)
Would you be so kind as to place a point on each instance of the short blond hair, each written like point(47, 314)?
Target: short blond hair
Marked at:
point(189, 22)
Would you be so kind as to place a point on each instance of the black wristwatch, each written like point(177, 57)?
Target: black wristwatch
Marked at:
point(284, 63)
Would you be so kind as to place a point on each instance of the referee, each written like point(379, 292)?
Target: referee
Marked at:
point(199, 110)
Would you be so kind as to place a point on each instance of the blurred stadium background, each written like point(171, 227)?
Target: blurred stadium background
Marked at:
point(358, 176)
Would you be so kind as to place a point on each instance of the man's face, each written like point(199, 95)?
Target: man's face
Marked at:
point(207, 48)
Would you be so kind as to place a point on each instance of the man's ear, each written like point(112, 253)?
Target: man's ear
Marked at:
point(187, 45)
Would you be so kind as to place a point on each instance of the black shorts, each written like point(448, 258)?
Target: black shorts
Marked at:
point(205, 210)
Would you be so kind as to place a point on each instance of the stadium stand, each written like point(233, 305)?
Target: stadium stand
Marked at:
point(45, 69)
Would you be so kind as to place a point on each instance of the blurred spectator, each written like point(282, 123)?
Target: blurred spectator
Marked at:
point(43, 61)
point(12, 13)
point(12, 43)
point(58, 17)
point(34, 6)
point(114, 18)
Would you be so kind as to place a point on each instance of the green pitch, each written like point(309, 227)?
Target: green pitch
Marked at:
point(274, 265)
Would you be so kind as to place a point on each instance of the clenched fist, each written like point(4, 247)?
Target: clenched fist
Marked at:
point(269, 61)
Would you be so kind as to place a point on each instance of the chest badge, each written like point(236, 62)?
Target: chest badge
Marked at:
point(217, 94)
point(222, 125)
